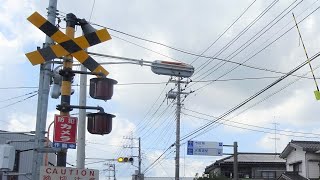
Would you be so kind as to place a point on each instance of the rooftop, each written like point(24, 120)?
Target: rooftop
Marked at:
point(310, 146)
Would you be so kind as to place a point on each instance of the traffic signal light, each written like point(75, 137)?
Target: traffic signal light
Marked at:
point(125, 159)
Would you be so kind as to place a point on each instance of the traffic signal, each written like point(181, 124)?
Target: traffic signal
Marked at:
point(125, 159)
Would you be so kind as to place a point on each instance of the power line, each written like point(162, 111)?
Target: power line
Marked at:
point(224, 31)
point(246, 124)
point(223, 49)
point(244, 46)
point(149, 167)
point(3, 107)
point(18, 96)
point(206, 126)
point(235, 67)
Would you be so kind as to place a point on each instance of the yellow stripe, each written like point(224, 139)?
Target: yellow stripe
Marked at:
point(60, 37)
point(103, 35)
point(35, 57)
point(81, 56)
point(59, 50)
point(66, 88)
point(82, 42)
point(100, 69)
point(36, 19)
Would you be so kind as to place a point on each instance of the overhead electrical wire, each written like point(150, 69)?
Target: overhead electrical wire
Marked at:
point(272, 94)
point(208, 125)
point(3, 107)
point(245, 124)
point(235, 67)
point(18, 96)
point(245, 45)
point(224, 31)
point(223, 49)
point(198, 55)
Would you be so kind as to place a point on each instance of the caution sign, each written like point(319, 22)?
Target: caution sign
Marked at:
point(66, 45)
point(66, 173)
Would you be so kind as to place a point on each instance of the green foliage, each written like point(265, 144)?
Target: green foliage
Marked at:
point(210, 177)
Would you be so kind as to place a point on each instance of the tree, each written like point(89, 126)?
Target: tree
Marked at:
point(210, 177)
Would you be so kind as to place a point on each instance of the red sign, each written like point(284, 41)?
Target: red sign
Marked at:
point(65, 129)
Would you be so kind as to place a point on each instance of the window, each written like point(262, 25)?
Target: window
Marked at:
point(15, 167)
point(296, 167)
point(268, 174)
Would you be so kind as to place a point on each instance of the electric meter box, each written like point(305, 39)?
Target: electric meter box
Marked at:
point(7, 157)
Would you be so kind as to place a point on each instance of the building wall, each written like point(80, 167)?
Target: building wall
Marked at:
point(26, 157)
point(313, 160)
point(297, 155)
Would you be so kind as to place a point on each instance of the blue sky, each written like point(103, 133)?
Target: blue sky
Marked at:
point(193, 27)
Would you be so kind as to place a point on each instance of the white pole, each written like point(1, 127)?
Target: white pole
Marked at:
point(43, 96)
point(81, 152)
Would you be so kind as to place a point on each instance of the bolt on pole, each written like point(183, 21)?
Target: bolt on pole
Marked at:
point(43, 96)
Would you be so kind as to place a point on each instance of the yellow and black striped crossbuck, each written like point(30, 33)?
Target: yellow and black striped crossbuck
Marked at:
point(66, 45)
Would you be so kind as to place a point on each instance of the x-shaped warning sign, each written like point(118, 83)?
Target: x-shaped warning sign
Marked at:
point(66, 45)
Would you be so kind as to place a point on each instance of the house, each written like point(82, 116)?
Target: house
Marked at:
point(250, 166)
point(302, 160)
point(24, 155)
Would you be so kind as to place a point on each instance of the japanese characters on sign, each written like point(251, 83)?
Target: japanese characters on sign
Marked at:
point(65, 132)
point(66, 173)
point(205, 148)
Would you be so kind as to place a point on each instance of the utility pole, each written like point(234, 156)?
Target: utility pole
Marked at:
point(43, 96)
point(67, 76)
point(275, 138)
point(111, 168)
point(178, 112)
point(235, 161)
point(139, 175)
point(81, 152)
point(139, 159)
point(177, 95)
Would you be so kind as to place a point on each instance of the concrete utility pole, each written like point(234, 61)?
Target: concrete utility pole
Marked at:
point(178, 112)
point(139, 159)
point(81, 152)
point(43, 96)
point(235, 161)
point(177, 95)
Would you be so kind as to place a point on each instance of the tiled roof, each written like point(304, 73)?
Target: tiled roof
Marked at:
point(291, 176)
point(308, 145)
point(254, 158)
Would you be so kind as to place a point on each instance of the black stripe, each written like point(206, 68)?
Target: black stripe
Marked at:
point(65, 99)
point(90, 63)
point(70, 46)
point(48, 28)
point(47, 53)
point(92, 38)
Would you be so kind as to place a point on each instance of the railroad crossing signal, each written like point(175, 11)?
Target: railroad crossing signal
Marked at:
point(66, 45)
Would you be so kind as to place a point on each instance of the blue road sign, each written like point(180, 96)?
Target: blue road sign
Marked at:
point(205, 151)
point(64, 145)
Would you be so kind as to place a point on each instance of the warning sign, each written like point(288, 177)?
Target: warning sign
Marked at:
point(65, 132)
point(65, 173)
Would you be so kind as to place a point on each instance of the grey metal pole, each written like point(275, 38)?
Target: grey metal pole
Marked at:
point(81, 152)
point(43, 96)
point(177, 168)
point(139, 156)
point(235, 161)
point(114, 171)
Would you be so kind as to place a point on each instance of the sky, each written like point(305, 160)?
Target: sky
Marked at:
point(259, 33)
